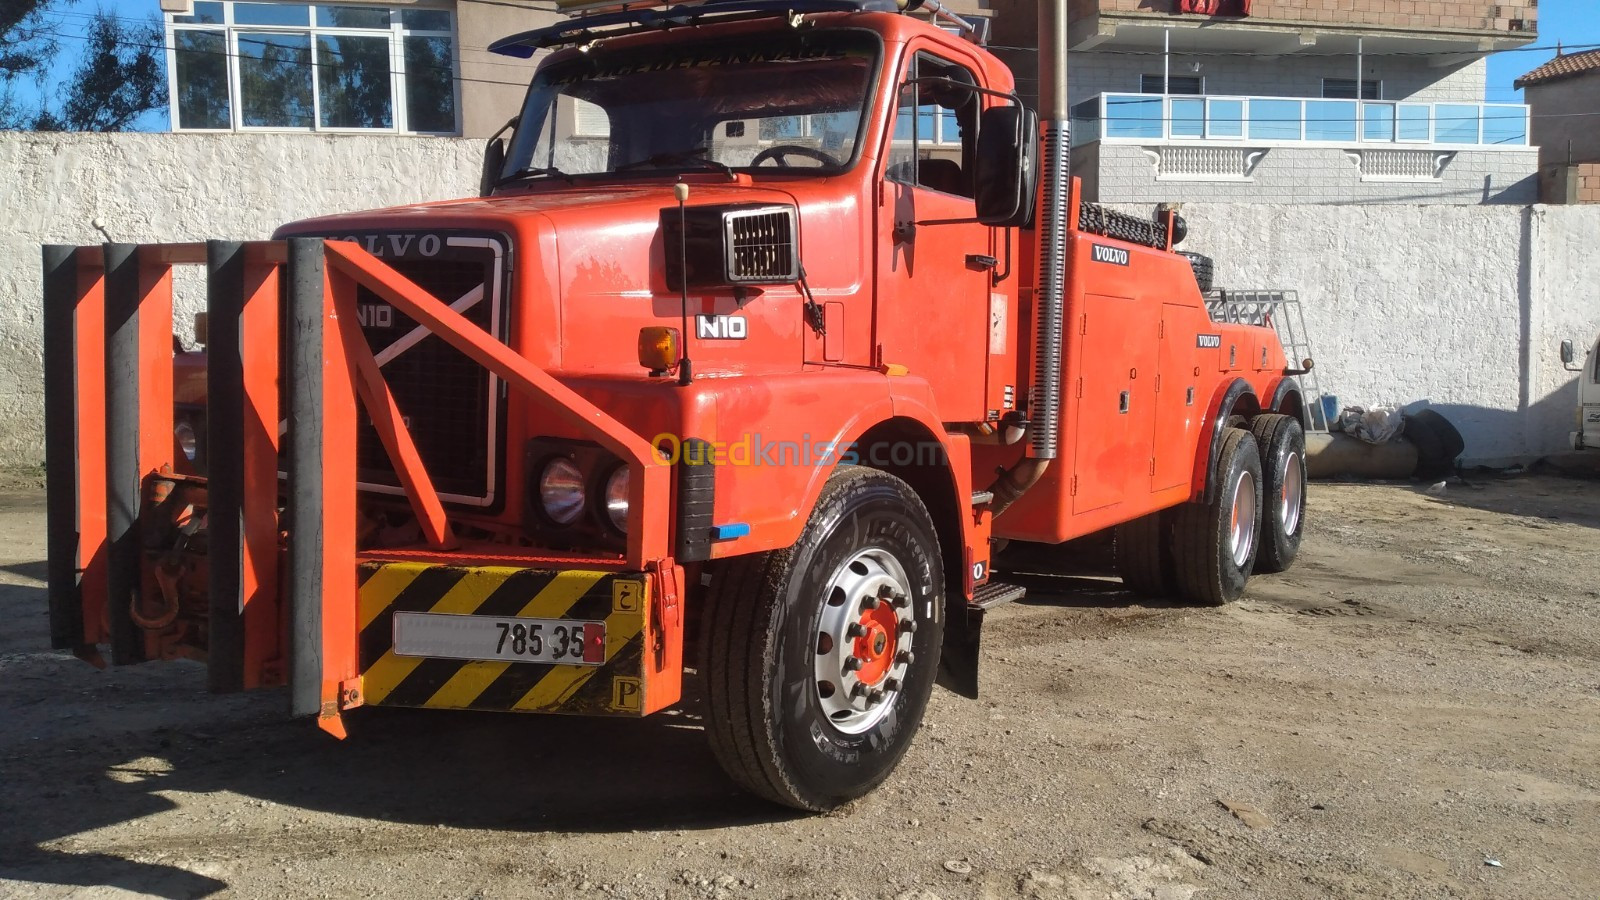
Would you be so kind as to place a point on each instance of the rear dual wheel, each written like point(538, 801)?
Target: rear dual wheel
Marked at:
point(1282, 444)
point(819, 659)
point(1214, 543)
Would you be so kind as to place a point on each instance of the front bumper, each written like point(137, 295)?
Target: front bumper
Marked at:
point(642, 662)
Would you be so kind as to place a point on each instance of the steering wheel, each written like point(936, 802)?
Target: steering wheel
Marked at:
point(780, 152)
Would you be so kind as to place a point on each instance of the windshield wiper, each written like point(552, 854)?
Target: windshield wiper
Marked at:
point(669, 157)
point(534, 172)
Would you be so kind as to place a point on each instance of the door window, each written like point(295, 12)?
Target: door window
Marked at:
point(935, 127)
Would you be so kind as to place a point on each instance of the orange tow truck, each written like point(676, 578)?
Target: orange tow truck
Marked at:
point(773, 319)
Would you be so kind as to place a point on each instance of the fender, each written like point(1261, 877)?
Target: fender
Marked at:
point(1288, 399)
point(1227, 400)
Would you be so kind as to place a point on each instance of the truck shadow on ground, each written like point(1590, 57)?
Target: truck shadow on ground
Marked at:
point(144, 746)
point(86, 749)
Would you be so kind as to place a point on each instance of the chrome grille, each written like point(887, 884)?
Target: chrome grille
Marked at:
point(761, 245)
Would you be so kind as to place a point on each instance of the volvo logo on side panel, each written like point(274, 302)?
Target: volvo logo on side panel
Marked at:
point(721, 328)
point(1114, 255)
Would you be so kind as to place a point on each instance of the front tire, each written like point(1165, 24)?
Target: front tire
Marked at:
point(819, 659)
point(1214, 544)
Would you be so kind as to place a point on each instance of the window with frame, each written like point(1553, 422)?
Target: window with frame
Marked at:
point(235, 65)
point(1175, 84)
point(1345, 89)
point(934, 127)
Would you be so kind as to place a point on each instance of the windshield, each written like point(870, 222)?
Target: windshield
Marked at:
point(784, 100)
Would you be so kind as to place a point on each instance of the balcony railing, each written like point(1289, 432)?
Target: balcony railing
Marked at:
point(1297, 120)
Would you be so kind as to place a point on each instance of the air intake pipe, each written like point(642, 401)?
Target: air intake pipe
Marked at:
point(1044, 395)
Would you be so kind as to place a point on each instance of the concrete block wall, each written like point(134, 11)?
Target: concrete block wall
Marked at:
point(1463, 308)
point(1126, 173)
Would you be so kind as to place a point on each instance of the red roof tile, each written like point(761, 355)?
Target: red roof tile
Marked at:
point(1565, 66)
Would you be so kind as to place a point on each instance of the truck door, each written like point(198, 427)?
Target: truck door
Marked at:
point(934, 271)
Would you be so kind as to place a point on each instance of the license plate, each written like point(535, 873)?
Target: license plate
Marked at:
point(565, 641)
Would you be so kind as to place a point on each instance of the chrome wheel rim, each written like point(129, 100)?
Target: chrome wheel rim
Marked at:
point(863, 644)
point(1242, 532)
point(1294, 485)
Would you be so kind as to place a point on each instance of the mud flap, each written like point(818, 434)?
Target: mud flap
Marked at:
point(958, 659)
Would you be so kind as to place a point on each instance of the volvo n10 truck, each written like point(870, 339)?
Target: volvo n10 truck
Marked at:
point(771, 321)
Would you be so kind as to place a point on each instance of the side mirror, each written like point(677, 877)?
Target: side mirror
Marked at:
point(494, 160)
point(1004, 165)
point(1569, 354)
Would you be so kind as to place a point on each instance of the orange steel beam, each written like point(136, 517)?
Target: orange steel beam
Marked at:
point(259, 597)
point(387, 421)
point(648, 484)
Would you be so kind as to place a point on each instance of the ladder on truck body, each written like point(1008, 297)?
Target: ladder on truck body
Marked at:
point(1280, 311)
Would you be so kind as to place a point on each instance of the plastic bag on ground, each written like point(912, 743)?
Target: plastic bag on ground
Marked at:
point(1375, 426)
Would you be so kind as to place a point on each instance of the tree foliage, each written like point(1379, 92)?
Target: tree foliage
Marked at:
point(117, 76)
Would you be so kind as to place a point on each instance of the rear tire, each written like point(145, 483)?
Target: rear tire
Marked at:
point(1214, 544)
point(1142, 559)
point(1283, 490)
point(801, 707)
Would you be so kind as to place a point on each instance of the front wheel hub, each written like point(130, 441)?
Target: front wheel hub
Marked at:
point(863, 645)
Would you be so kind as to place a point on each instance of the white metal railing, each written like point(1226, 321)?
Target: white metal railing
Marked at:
point(1297, 120)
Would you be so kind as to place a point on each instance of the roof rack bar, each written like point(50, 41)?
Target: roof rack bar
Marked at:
point(624, 20)
point(968, 30)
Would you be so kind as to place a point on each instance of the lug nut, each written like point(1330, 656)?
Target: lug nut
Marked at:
point(875, 696)
point(855, 630)
point(908, 627)
point(859, 690)
point(902, 601)
point(852, 664)
point(869, 602)
point(904, 656)
point(891, 684)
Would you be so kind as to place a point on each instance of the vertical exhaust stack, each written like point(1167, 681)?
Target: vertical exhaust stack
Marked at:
point(1050, 286)
point(1044, 395)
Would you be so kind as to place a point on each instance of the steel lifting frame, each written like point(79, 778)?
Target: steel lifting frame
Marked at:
point(109, 427)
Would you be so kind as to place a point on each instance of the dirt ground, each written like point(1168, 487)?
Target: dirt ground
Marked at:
point(1413, 711)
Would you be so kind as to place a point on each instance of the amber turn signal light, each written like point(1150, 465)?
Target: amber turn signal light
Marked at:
point(658, 348)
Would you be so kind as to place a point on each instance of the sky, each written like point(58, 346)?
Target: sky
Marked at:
point(1572, 23)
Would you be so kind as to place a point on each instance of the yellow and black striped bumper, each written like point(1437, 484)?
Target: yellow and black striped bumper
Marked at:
point(616, 687)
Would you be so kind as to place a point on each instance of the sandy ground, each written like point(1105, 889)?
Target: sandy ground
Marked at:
point(1418, 698)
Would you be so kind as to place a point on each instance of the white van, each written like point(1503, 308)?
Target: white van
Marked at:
point(1587, 437)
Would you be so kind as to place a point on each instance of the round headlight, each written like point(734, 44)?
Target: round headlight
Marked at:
point(188, 441)
point(617, 498)
point(561, 491)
